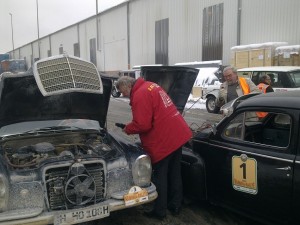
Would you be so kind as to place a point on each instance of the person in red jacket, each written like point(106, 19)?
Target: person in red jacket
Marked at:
point(163, 131)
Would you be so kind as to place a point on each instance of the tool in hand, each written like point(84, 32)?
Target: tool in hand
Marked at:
point(121, 125)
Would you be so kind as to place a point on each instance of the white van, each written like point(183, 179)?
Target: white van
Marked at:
point(283, 78)
point(137, 69)
point(210, 72)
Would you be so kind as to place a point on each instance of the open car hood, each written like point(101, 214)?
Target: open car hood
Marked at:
point(175, 80)
point(22, 98)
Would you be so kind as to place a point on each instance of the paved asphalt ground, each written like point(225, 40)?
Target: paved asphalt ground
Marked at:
point(193, 213)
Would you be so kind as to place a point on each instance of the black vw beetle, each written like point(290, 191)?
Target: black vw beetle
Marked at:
point(249, 162)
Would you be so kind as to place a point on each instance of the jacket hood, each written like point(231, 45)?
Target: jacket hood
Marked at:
point(21, 97)
point(175, 80)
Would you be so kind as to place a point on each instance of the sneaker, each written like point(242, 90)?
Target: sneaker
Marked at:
point(152, 214)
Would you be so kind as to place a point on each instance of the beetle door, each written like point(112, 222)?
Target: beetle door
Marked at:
point(250, 165)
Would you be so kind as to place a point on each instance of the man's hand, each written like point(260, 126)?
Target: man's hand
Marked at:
point(121, 125)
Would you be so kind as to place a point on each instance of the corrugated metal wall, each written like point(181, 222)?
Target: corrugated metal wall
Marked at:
point(44, 47)
point(127, 38)
point(212, 32)
point(113, 46)
point(65, 39)
point(270, 21)
point(185, 28)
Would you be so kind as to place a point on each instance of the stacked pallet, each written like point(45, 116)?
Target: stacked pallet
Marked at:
point(288, 55)
point(253, 55)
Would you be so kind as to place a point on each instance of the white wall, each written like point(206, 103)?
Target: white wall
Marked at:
point(87, 31)
point(261, 21)
point(185, 28)
point(44, 46)
point(113, 48)
point(65, 38)
point(270, 21)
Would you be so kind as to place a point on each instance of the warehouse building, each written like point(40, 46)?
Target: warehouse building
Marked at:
point(140, 32)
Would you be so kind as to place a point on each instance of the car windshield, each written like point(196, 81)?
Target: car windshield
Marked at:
point(296, 78)
point(32, 126)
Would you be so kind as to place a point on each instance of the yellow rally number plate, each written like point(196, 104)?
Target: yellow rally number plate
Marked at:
point(244, 174)
point(135, 196)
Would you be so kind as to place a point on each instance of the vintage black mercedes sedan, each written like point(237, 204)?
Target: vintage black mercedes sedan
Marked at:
point(58, 162)
point(250, 161)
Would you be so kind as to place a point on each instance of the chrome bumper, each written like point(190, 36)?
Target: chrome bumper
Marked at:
point(36, 216)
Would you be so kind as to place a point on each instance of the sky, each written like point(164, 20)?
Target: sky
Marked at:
point(53, 15)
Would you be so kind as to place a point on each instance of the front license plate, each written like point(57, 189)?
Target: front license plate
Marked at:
point(135, 196)
point(82, 215)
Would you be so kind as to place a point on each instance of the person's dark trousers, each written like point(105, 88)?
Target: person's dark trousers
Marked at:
point(167, 177)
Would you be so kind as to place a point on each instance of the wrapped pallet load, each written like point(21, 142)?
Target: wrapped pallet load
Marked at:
point(240, 56)
point(288, 55)
point(253, 55)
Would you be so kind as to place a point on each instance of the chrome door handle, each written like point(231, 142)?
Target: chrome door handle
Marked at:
point(288, 168)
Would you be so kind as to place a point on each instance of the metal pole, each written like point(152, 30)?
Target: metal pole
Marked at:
point(239, 16)
point(38, 26)
point(97, 27)
point(12, 35)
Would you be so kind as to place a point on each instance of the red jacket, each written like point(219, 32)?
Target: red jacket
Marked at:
point(161, 127)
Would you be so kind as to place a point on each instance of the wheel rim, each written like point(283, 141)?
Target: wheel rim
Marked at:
point(211, 104)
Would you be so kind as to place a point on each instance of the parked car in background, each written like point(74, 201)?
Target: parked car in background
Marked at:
point(137, 69)
point(4, 56)
point(58, 162)
point(284, 78)
point(134, 73)
point(13, 65)
point(210, 72)
point(247, 163)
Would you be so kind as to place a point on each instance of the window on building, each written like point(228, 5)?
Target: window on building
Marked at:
point(76, 50)
point(93, 57)
point(61, 50)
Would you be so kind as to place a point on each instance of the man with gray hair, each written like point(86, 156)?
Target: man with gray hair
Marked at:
point(234, 86)
point(163, 131)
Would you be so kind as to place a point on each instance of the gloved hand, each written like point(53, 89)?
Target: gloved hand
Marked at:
point(121, 125)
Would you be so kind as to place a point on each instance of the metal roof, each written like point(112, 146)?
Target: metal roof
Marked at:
point(270, 68)
point(280, 99)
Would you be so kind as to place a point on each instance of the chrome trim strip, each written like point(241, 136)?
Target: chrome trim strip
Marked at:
point(245, 152)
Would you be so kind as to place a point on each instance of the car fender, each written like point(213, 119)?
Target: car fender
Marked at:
point(193, 175)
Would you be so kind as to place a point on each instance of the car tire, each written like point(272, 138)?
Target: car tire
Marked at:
point(211, 105)
point(115, 93)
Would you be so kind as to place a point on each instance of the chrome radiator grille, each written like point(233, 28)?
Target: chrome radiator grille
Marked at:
point(67, 190)
point(64, 73)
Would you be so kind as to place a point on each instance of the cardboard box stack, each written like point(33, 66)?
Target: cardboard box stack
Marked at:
point(288, 55)
point(240, 56)
point(253, 55)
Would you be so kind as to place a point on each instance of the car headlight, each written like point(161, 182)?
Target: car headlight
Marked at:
point(142, 170)
point(3, 193)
